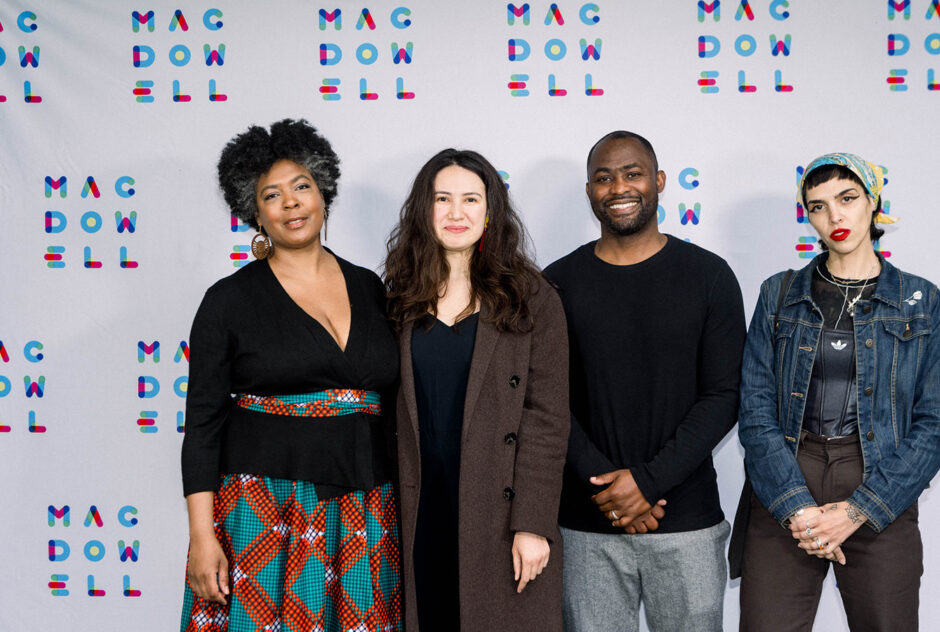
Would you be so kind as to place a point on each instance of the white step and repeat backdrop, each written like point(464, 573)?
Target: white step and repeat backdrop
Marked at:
point(112, 116)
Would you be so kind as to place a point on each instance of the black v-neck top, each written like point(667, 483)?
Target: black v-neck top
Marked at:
point(249, 336)
point(441, 357)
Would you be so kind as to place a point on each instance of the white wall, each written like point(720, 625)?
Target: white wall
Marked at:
point(745, 146)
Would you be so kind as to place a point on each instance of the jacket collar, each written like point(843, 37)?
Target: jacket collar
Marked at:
point(888, 289)
point(483, 347)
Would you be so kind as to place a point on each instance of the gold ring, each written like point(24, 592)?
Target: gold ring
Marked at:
point(820, 545)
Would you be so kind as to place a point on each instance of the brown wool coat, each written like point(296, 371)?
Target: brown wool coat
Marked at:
point(514, 439)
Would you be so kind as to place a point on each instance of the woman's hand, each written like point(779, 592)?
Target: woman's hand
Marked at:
point(798, 524)
point(820, 531)
point(208, 569)
point(529, 557)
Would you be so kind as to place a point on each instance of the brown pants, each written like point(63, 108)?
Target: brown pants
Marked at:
point(880, 582)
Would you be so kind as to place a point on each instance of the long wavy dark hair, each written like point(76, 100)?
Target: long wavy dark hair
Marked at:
point(502, 273)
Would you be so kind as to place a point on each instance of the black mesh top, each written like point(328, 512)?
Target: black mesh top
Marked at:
point(832, 400)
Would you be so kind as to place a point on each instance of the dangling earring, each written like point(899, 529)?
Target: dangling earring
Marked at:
point(486, 223)
point(326, 224)
point(261, 244)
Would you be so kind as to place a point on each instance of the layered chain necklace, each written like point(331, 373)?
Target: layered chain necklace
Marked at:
point(845, 286)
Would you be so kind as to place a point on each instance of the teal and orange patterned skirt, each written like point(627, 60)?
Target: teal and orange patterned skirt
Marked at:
point(297, 564)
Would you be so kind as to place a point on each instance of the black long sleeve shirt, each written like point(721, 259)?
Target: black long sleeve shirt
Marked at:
point(250, 337)
point(655, 368)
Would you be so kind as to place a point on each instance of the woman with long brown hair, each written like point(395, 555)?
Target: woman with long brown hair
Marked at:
point(482, 409)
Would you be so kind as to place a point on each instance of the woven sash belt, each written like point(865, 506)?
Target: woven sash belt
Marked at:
point(329, 403)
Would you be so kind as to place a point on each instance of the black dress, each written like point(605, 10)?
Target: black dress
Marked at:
point(441, 358)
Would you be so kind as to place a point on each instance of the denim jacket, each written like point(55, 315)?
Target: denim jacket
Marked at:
point(897, 342)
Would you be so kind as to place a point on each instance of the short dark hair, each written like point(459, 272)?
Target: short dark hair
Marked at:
point(251, 154)
point(629, 135)
point(825, 173)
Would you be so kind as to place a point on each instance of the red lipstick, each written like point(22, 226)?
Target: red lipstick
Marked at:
point(839, 234)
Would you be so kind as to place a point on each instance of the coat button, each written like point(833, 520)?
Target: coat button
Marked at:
point(870, 435)
point(867, 309)
point(510, 438)
point(514, 381)
point(869, 343)
point(868, 390)
point(509, 493)
point(907, 333)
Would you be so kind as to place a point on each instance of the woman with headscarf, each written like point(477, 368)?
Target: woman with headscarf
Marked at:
point(839, 418)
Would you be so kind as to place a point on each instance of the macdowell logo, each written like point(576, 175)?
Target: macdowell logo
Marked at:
point(744, 45)
point(149, 387)
point(95, 545)
point(401, 53)
point(34, 385)
point(146, 53)
point(584, 47)
point(901, 45)
point(68, 210)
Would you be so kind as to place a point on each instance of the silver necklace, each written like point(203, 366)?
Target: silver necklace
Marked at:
point(848, 305)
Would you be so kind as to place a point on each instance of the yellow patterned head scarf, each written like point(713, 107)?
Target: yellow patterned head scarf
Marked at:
point(871, 175)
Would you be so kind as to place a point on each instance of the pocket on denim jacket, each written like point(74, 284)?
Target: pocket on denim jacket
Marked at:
point(905, 330)
point(785, 329)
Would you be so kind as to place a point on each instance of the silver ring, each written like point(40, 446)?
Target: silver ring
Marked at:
point(819, 545)
point(613, 515)
point(809, 531)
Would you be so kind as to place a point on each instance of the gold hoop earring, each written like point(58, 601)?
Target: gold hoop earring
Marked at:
point(261, 245)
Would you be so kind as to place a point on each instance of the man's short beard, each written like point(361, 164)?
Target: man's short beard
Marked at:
point(647, 213)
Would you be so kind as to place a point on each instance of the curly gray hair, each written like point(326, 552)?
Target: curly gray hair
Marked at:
point(251, 154)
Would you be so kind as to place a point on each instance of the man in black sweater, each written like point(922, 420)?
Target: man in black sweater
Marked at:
point(656, 330)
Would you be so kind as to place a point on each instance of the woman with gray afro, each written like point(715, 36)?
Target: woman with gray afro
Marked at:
point(288, 482)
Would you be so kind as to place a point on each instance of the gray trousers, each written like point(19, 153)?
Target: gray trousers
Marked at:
point(679, 577)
